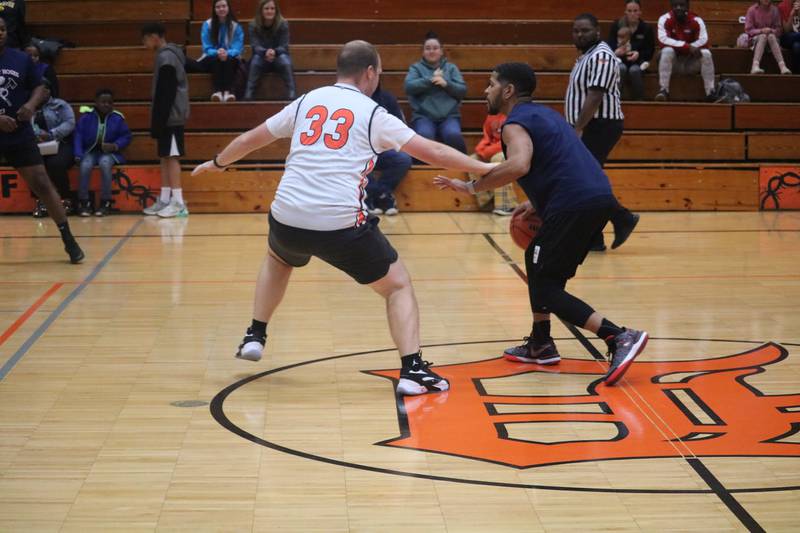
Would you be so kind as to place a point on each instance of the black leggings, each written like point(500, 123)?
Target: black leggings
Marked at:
point(58, 165)
point(223, 73)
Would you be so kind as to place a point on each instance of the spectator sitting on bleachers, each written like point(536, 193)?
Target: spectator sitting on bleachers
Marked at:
point(54, 121)
point(392, 164)
point(43, 69)
point(684, 41)
point(100, 137)
point(763, 26)
point(13, 12)
point(790, 14)
point(490, 150)
point(435, 89)
point(637, 54)
point(223, 42)
point(269, 37)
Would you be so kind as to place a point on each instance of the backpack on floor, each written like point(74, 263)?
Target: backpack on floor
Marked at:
point(730, 91)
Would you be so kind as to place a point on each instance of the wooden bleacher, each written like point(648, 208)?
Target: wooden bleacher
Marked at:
point(673, 155)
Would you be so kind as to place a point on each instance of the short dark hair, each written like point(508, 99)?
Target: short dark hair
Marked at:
point(587, 16)
point(520, 75)
point(432, 35)
point(355, 57)
point(104, 91)
point(154, 28)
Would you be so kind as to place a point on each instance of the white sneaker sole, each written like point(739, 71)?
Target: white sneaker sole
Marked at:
point(623, 367)
point(407, 387)
point(251, 351)
point(554, 360)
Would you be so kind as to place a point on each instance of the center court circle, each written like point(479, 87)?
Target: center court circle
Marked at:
point(217, 409)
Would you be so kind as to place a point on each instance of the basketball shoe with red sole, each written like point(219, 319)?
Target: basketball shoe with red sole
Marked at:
point(629, 344)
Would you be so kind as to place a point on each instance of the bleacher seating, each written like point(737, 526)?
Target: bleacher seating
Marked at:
point(676, 155)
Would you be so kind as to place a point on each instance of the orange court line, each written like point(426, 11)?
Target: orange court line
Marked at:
point(27, 314)
point(416, 279)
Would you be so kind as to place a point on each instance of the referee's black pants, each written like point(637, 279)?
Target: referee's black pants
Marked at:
point(600, 136)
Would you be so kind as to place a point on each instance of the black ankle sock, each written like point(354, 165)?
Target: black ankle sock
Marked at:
point(608, 330)
point(258, 328)
point(541, 332)
point(66, 234)
point(411, 360)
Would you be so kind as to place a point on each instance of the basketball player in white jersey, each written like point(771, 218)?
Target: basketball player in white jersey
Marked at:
point(336, 135)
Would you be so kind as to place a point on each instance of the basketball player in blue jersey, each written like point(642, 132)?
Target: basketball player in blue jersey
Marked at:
point(573, 197)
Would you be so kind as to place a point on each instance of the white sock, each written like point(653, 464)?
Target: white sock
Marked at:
point(165, 192)
point(177, 195)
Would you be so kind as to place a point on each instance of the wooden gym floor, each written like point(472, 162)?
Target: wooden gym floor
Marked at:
point(122, 407)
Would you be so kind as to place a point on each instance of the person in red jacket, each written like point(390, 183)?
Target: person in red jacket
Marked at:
point(490, 150)
point(683, 38)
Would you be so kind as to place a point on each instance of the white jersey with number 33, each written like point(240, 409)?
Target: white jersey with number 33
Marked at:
point(336, 133)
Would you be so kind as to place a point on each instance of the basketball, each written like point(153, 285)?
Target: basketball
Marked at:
point(523, 228)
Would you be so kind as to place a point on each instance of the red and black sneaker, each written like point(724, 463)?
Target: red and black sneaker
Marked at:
point(627, 345)
point(545, 354)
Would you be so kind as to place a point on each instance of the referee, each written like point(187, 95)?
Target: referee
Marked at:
point(593, 108)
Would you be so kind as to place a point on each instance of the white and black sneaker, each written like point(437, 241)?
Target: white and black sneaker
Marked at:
point(420, 379)
point(252, 346)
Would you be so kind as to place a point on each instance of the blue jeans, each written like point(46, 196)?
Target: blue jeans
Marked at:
point(106, 163)
point(282, 64)
point(632, 73)
point(791, 40)
point(447, 131)
point(393, 166)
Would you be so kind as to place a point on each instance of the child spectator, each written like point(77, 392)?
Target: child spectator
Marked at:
point(43, 69)
point(13, 12)
point(55, 121)
point(763, 26)
point(100, 137)
point(435, 89)
point(269, 37)
point(169, 111)
point(633, 43)
point(790, 15)
point(223, 42)
point(392, 164)
point(490, 150)
point(684, 41)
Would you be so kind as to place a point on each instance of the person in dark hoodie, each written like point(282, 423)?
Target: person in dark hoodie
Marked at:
point(168, 115)
point(269, 37)
point(100, 137)
point(13, 12)
point(435, 89)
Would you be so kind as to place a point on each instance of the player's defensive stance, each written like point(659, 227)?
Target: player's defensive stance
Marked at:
point(336, 135)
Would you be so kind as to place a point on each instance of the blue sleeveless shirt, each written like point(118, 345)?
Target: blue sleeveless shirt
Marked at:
point(564, 176)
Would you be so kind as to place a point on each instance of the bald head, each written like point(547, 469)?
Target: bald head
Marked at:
point(356, 57)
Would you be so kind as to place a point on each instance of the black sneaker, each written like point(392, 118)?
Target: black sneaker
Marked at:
point(420, 379)
point(104, 209)
point(252, 346)
point(68, 208)
point(662, 96)
point(388, 203)
point(84, 208)
point(546, 354)
point(627, 345)
point(598, 243)
point(623, 229)
point(76, 255)
point(40, 211)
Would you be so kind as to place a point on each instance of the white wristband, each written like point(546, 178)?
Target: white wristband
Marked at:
point(471, 186)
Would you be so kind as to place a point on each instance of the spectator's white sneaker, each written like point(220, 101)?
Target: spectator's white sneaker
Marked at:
point(153, 209)
point(216, 97)
point(228, 97)
point(756, 70)
point(785, 69)
point(174, 209)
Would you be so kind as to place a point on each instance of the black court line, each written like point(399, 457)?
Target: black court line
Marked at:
point(705, 474)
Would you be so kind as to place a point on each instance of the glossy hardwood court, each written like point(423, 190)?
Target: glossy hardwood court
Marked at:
point(122, 407)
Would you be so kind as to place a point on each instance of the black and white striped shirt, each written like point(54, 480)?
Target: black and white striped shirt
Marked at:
point(599, 68)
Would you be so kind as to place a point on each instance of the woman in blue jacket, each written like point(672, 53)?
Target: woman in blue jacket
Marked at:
point(435, 89)
point(223, 42)
point(100, 137)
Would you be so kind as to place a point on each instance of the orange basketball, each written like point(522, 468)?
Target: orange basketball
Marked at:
point(523, 228)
